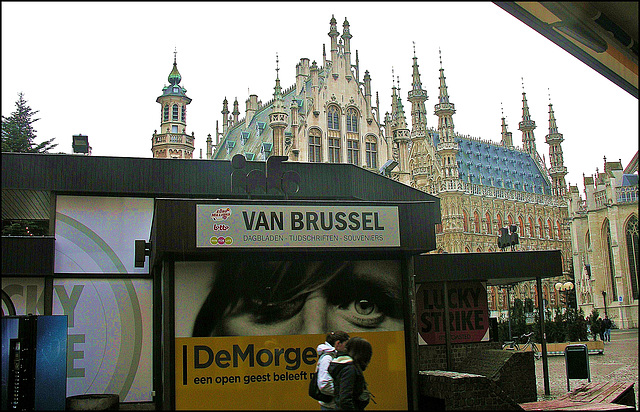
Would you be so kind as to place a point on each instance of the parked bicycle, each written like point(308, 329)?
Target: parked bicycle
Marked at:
point(523, 347)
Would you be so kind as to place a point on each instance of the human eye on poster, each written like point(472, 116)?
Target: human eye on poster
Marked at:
point(254, 325)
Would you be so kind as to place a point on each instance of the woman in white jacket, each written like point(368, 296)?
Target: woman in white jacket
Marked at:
point(327, 351)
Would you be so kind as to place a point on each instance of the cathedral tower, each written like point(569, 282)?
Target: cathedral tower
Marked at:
point(172, 141)
point(557, 169)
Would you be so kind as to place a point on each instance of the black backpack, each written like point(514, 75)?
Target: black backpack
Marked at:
point(314, 390)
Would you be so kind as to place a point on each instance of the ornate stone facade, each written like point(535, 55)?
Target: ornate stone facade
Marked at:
point(328, 115)
point(604, 238)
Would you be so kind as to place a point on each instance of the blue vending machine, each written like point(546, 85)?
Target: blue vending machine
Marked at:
point(34, 362)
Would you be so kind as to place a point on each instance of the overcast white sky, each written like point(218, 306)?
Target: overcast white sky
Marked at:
point(97, 69)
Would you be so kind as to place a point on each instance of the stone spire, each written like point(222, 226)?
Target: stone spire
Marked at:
point(417, 96)
point(236, 111)
point(225, 115)
point(447, 147)
point(444, 110)
point(367, 94)
point(278, 116)
point(346, 39)
point(557, 170)
point(507, 139)
point(333, 34)
point(526, 126)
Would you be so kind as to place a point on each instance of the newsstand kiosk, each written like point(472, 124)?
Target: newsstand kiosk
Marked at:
point(245, 290)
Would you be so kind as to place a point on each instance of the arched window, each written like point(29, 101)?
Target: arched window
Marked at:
point(352, 120)
point(532, 229)
point(521, 229)
point(315, 146)
point(479, 250)
point(371, 152)
point(488, 218)
point(465, 227)
point(632, 253)
point(559, 229)
point(466, 249)
point(333, 119)
point(510, 219)
point(499, 218)
point(476, 222)
point(540, 229)
point(550, 226)
point(608, 252)
point(165, 113)
point(174, 116)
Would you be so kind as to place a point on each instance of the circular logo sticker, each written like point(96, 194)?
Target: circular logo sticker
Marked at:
point(221, 240)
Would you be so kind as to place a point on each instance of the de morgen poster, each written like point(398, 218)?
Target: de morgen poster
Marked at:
point(247, 330)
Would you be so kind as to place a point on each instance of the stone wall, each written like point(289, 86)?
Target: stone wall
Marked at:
point(443, 390)
point(513, 373)
point(434, 357)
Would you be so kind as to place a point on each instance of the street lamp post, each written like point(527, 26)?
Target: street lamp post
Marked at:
point(565, 287)
point(604, 298)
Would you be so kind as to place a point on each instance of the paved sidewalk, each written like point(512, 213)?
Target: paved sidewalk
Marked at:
point(618, 363)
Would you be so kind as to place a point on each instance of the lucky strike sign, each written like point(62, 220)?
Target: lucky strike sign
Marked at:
point(468, 312)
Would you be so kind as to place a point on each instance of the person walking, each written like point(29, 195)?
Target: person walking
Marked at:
point(335, 343)
point(600, 327)
point(606, 324)
point(347, 371)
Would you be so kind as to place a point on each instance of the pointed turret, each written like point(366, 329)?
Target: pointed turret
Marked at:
point(447, 147)
point(367, 94)
point(507, 139)
point(346, 39)
point(557, 170)
point(526, 126)
point(333, 34)
point(278, 116)
point(225, 115)
point(417, 97)
point(236, 111)
point(401, 134)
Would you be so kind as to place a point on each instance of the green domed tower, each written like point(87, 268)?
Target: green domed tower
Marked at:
point(172, 141)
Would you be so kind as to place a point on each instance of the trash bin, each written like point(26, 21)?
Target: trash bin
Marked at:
point(576, 358)
point(93, 402)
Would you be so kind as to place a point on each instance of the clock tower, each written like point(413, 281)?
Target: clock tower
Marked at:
point(172, 141)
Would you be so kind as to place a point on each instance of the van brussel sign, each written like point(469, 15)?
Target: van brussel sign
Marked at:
point(237, 226)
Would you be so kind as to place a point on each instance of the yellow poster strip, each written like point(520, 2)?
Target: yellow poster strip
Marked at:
point(273, 372)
